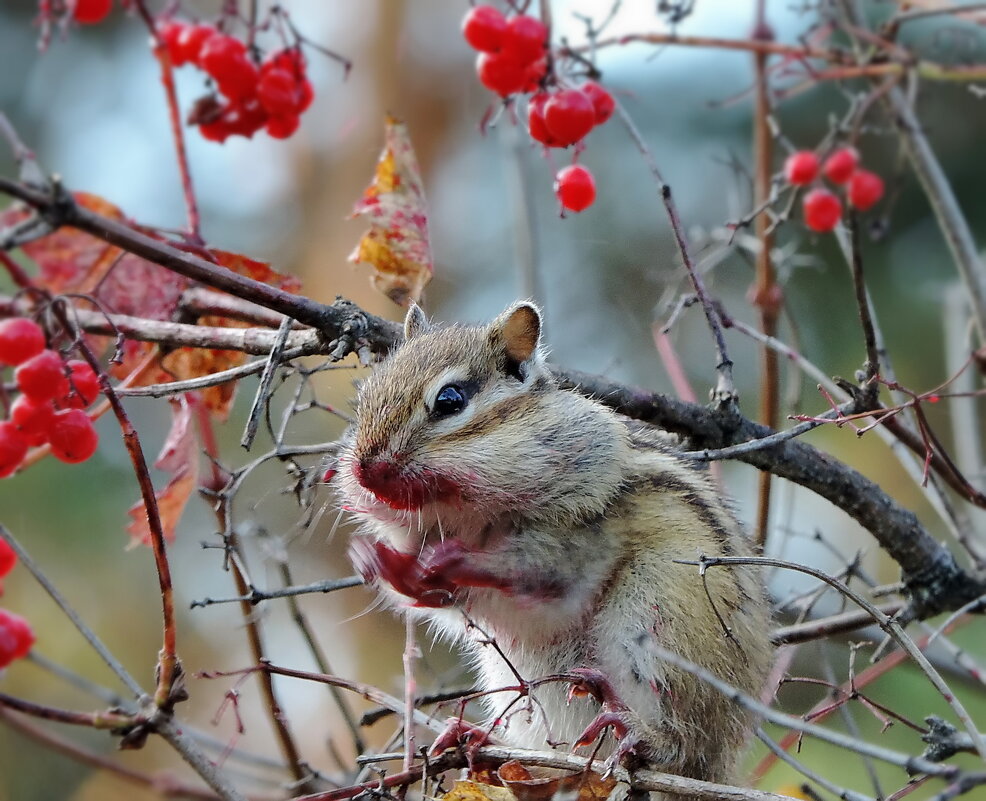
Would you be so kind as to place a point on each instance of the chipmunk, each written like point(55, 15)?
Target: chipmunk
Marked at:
point(503, 508)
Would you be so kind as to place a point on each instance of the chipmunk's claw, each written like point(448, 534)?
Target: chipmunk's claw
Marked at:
point(590, 681)
point(599, 724)
point(459, 734)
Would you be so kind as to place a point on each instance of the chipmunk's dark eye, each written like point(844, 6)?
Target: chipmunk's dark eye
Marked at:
point(450, 399)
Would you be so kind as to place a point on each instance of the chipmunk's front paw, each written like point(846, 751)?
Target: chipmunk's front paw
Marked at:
point(459, 734)
point(377, 561)
point(452, 563)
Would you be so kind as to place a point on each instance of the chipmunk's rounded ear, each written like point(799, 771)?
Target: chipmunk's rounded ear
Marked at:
point(415, 322)
point(518, 332)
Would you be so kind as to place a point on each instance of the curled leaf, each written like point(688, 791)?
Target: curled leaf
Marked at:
point(180, 457)
point(397, 242)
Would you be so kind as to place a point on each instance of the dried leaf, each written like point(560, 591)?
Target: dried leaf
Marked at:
point(185, 363)
point(465, 790)
point(587, 786)
point(67, 255)
point(397, 243)
point(257, 270)
point(180, 457)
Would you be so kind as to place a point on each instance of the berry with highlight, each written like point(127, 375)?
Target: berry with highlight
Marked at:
point(575, 187)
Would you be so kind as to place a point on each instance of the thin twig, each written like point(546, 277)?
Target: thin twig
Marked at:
point(165, 785)
point(169, 670)
point(725, 391)
point(825, 627)
point(871, 367)
point(90, 636)
point(952, 222)
point(888, 624)
point(255, 596)
point(262, 395)
point(840, 792)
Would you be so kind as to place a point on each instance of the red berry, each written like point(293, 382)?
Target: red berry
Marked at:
point(865, 189)
point(16, 637)
point(306, 94)
point(525, 37)
point(188, 45)
point(225, 59)
point(290, 59)
point(602, 101)
point(501, 73)
point(535, 120)
point(822, 209)
point(575, 187)
point(283, 127)
point(244, 118)
point(32, 419)
point(42, 377)
point(534, 73)
point(278, 92)
point(839, 167)
point(168, 32)
point(89, 12)
point(219, 52)
point(247, 118)
point(8, 558)
point(569, 115)
point(85, 385)
point(72, 436)
point(217, 131)
point(13, 448)
point(483, 28)
point(239, 81)
point(801, 168)
point(20, 339)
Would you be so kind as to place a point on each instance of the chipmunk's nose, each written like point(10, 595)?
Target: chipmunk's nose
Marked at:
point(375, 471)
point(385, 477)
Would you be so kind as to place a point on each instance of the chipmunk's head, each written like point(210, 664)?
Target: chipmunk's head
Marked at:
point(465, 420)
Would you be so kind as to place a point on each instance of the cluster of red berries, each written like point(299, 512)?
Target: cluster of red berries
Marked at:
point(271, 95)
point(513, 59)
point(16, 636)
point(51, 406)
point(822, 207)
point(512, 55)
point(85, 12)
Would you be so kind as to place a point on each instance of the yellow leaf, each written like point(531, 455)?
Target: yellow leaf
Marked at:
point(397, 242)
point(466, 790)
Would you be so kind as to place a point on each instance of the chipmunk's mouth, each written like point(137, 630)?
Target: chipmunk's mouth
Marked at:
point(401, 487)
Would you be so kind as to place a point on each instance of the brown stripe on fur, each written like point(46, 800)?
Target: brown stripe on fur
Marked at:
point(486, 420)
point(707, 513)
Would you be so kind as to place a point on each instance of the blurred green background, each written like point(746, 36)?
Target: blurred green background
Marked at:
point(92, 109)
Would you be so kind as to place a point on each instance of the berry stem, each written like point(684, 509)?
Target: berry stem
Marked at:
point(178, 134)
